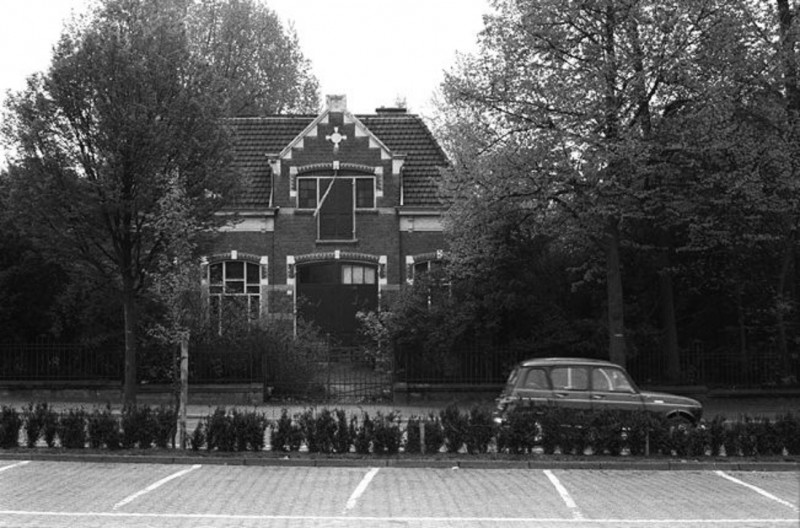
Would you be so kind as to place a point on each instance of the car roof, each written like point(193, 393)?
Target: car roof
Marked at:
point(561, 361)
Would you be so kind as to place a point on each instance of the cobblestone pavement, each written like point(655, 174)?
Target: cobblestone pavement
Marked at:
point(80, 494)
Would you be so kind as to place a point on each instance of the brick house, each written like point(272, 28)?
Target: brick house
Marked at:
point(335, 212)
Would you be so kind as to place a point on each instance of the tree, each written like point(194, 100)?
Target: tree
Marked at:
point(99, 136)
point(134, 103)
point(257, 62)
point(562, 102)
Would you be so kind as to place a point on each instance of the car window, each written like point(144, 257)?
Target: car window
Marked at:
point(535, 378)
point(512, 378)
point(607, 379)
point(569, 378)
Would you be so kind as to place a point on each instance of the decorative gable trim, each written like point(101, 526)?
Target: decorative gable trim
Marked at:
point(336, 103)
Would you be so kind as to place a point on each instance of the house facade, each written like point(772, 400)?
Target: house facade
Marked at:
point(335, 213)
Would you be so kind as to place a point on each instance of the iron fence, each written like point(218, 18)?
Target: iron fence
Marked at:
point(718, 368)
point(214, 365)
point(466, 366)
point(491, 365)
point(58, 362)
point(345, 375)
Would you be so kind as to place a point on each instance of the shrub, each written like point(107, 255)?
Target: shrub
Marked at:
point(289, 356)
point(716, 429)
point(606, 430)
point(521, 431)
point(480, 432)
point(319, 430)
point(220, 434)
point(72, 429)
point(455, 427)
point(103, 429)
point(787, 428)
point(198, 438)
point(342, 439)
point(768, 440)
point(10, 425)
point(248, 430)
point(139, 427)
point(165, 425)
point(387, 435)
point(434, 434)
point(287, 435)
point(567, 429)
point(39, 421)
point(413, 443)
point(362, 433)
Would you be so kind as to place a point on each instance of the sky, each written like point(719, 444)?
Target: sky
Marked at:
point(373, 51)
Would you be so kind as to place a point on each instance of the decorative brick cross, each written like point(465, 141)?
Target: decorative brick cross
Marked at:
point(336, 138)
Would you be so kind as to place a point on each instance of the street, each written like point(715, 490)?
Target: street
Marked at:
point(62, 494)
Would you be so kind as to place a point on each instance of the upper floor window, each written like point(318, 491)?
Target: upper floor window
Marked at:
point(311, 190)
point(234, 293)
point(335, 200)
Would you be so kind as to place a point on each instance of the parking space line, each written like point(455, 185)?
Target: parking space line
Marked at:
point(18, 464)
point(360, 489)
point(153, 486)
point(565, 496)
point(758, 490)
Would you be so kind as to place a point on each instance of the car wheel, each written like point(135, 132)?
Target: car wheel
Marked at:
point(677, 421)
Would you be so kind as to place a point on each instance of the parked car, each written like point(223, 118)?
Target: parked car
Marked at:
point(589, 384)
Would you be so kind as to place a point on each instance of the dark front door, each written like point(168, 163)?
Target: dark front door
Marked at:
point(331, 293)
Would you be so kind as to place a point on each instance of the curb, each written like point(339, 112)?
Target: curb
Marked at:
point(400, 463)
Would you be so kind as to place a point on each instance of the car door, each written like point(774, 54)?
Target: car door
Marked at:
point(613, 390)
point(533, 387)
point(571, 386)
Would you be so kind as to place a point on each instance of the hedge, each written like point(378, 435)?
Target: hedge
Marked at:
point(526, 431)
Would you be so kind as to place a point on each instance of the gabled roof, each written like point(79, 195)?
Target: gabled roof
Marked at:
point(401, 133)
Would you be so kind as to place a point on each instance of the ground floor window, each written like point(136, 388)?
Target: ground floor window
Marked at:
point(234, 294)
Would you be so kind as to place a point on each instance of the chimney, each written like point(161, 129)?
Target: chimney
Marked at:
point(336, 103)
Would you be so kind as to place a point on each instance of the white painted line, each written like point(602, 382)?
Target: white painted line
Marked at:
point(18, 464)
point(153, 486)
point(757, 490)
point(531, 521)
point(360, 489)
point(565, 496)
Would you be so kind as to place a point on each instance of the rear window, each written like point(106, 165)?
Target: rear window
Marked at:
point(569, 378)
point(605, 379)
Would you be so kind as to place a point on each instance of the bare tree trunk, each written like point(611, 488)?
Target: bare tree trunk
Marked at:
point(616, 310)
point(184, 392)
point(742, 327)
point(786, 20)
point(669, 325)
